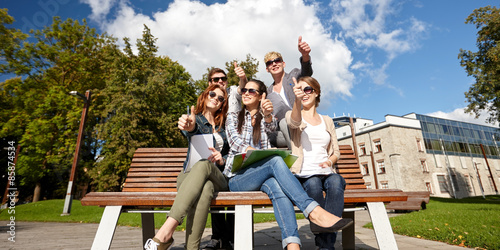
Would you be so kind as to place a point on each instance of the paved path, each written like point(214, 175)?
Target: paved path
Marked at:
point(55, 236)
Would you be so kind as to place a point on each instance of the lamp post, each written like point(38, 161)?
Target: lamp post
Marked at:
point(69, 192)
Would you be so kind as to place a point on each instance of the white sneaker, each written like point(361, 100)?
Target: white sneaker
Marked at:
point(151, 245)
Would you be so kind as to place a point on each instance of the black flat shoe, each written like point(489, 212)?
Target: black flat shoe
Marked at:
point(341, 224)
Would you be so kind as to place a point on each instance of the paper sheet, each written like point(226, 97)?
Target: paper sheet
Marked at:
point(198, 149)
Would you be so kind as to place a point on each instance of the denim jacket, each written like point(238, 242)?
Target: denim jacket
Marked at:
point(202, 126)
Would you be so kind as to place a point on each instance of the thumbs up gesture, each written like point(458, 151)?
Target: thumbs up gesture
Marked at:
point(266, 105)
point(304, 49)
point(187, 122)
point(239, 71)
point(297, 90)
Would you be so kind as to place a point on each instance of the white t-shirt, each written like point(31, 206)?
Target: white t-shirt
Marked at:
point(314, 140)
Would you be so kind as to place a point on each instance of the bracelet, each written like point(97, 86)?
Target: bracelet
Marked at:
point(267, 116)
point(331, 162)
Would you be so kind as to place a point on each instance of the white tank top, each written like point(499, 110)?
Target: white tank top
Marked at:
point(314, 140)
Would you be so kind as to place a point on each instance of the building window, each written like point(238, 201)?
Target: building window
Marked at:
point(443, 186)
point(368, 185)
point(468, 181)
point(429, 187)
point(384, 185)
point(381, 167)
point(362, 149)
point(378, 146)
point(420, 146)
point(364, 169)
point(425, 169)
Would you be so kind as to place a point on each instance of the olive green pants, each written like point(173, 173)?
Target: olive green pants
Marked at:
point(195, 191)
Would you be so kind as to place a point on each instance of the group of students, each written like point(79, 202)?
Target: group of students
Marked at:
point(243, 118)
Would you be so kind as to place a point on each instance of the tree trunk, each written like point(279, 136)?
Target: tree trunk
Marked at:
point(38, 191)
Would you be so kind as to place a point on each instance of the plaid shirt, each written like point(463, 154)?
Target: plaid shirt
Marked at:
point(238, 143)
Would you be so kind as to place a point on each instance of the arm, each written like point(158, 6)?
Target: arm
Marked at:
point(305, 59)
point(297, 105)
point(241, 74)
point(236, 143)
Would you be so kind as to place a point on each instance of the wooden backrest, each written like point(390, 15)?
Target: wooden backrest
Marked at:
point(156, 169)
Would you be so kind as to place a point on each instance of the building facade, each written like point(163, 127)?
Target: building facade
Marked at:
point(422, 153)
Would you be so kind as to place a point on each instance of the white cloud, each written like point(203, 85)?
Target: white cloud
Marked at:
point(460, 115)
point(200, 36)
point(100, 8)
point(365, 22)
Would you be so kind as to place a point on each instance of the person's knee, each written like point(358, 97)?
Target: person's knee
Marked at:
point(335, 183)
point(272, 189)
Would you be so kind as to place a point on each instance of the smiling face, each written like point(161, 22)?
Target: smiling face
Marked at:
point(252, 95)
point(218, 78)
point(214, 102)
point(309, 99)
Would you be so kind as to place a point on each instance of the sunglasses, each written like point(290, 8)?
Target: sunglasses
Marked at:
point(308, 90)
point(217, 79)
point(213, 95)
point(271, 62)
point(250, 91)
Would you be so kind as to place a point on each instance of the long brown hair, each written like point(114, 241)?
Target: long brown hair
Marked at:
point(241, 116)
point(220, 114)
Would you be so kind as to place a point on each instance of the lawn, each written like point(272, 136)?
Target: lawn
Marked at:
point(470, 222)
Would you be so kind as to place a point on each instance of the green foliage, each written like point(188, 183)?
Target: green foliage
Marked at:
point(484, 65)
point(470, 222)
point(144, 96)
point(65, 56)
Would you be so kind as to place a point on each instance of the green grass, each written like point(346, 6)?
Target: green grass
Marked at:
point(470, 222)
point(50, 211)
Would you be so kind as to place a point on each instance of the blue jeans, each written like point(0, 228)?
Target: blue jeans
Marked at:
point(273, 177)
point(333, 201)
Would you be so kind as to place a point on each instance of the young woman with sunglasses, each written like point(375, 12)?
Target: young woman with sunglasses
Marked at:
point(196, 186)
point(314, 140)
point(248, 130)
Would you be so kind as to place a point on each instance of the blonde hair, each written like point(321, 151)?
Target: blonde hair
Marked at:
point(272, 55)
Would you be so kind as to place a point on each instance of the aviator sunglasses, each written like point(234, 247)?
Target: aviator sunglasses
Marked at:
point(217, 79)
point(213, 95)
point(270, 62)
point(308, 90)
point(250, 91)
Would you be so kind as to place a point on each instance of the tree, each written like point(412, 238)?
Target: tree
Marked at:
point(144, 96)
point(484, 65)
point(64, 56)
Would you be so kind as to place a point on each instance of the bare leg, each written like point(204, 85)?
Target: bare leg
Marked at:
point(167, 230)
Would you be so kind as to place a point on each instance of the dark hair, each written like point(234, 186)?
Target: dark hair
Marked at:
point(258, 117)
point(314, 84)
point(213, 71)
point(220, 114)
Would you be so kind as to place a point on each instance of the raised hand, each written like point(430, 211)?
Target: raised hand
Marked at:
point(304, 48)
point(266, 105)
point(187, 122)
point(216, 157)
point(297, 90)
point(239, 71)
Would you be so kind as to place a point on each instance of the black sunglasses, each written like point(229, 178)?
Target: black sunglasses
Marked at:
point(308, 90)
point(213, 94)
point(217, 79)
point(270, 62)
point(250, 91)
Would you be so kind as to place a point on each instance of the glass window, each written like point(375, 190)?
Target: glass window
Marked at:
point(378, 146)
point(443, 187)
point(381, 167)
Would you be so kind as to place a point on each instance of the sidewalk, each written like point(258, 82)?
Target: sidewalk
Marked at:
point(55, 236)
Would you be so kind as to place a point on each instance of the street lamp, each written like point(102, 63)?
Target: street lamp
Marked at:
point(69, 195)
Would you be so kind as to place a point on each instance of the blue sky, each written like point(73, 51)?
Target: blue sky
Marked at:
point(372, 57)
